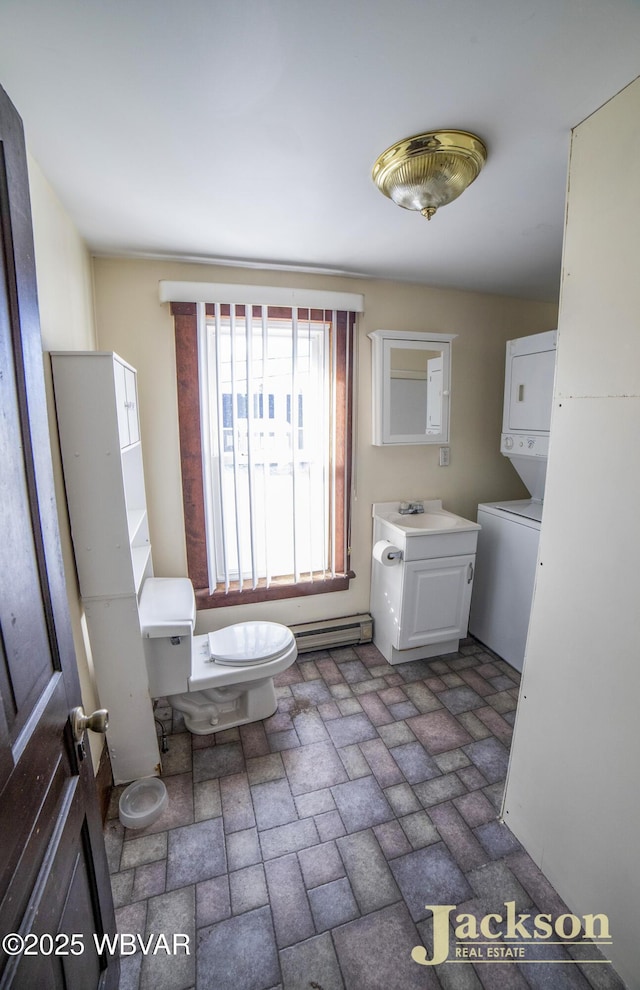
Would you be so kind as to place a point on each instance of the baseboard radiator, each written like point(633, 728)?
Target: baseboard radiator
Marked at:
point(324, 635)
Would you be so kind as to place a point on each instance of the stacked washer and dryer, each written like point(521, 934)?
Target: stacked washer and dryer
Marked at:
point(508, 541)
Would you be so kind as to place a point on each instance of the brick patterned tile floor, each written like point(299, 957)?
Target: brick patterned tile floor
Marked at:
point(299, 853)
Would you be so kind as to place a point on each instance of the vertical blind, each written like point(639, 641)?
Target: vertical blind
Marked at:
point(275, 419)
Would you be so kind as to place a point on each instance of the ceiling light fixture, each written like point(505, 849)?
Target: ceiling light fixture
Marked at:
point(429, 170)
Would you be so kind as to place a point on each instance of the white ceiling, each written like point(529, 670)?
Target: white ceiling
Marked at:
point(245, 131)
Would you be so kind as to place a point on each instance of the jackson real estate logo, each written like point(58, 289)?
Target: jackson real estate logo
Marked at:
point(510, 937)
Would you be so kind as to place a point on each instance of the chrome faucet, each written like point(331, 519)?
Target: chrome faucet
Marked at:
point(410, 508)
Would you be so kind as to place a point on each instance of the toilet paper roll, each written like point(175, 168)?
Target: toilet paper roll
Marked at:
point(382, 551)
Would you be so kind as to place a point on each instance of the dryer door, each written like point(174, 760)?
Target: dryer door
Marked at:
point(530, 392)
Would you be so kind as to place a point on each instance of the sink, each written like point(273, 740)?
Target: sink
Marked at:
point(423, 535)
point(424, 522)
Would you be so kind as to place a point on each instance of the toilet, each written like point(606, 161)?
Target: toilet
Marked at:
point(219, 679)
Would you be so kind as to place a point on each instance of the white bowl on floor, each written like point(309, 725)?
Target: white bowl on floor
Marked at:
point(142, 802)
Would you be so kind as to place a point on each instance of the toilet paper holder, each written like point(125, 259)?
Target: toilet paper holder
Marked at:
point(387, 554)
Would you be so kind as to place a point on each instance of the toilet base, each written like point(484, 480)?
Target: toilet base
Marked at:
point(209, 711)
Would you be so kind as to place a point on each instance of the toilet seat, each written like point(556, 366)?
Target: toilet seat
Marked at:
point(246, 644)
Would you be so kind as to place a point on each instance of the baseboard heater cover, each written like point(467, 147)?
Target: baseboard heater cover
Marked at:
point(323, 635)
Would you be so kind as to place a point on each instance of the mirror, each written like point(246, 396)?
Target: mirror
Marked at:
point(410, 387)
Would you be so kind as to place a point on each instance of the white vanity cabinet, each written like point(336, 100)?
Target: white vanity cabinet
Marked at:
point(97, 411)
point(420, 601)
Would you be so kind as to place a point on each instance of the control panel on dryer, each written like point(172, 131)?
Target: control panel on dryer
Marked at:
point(516, 443)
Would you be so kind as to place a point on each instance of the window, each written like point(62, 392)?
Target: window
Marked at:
point(265, 407)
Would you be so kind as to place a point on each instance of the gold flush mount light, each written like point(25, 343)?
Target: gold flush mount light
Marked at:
point(429, 170)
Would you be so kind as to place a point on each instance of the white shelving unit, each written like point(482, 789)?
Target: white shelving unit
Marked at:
point(97, 410)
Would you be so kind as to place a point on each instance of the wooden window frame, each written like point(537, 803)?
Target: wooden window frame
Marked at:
point(186, 339)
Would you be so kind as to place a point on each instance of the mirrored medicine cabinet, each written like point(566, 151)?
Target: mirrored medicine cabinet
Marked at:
point(411, 387)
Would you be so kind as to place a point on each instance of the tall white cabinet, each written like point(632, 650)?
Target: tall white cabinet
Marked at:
point(97, 411)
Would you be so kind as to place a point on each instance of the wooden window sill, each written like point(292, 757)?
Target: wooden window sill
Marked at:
point(221, 598)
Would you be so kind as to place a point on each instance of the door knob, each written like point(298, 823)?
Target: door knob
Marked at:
point(98, 721)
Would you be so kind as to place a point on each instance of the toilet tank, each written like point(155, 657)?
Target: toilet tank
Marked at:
point(167, 612)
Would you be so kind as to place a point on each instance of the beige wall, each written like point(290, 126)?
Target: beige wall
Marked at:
point(65, 298)
point(572, 793)
point(131, 321)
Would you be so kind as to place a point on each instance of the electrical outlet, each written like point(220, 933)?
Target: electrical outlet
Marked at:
point(444, 456)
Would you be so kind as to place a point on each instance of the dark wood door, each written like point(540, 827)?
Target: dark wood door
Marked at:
point(54, 880)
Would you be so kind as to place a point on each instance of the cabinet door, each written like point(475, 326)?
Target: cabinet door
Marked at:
point(126, 403)
point(119, 372)
point(435, 601)
point(434, 395)
point(132, 405)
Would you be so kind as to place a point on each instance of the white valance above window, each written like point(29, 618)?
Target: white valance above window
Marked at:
point(259, 295)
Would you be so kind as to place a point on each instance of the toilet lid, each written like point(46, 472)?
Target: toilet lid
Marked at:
point(247, 643)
